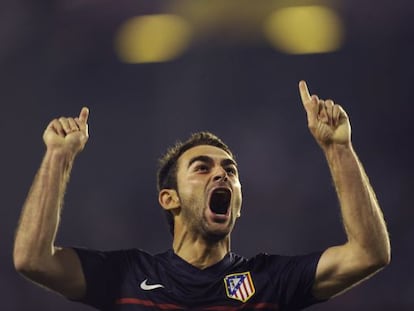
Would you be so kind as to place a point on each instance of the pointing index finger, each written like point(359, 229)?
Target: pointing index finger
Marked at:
point(304, 92)
point(83, 115)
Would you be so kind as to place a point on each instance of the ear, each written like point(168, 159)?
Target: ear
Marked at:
point(168, 199)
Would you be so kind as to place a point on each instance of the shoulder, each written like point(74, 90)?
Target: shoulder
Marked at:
point(112, 256)
point(277, 262)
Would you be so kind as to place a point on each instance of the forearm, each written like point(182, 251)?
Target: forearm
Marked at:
point(38, 224)
point(363, 219)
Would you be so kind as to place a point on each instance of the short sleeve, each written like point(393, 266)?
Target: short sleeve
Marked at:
point(294, 276)
point(102, 274)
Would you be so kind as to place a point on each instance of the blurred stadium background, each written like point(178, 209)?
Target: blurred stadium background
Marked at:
point(153, 72)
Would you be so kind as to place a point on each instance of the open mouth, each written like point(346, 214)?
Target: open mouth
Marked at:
point(220, 201)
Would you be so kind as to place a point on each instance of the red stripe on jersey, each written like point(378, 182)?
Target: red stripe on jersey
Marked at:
point(148, 303)
point(245, 306)
point(169, 306)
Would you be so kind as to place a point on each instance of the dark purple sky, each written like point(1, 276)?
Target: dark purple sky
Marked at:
point(56, 56)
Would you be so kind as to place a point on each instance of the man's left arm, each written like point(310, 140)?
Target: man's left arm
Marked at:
point(367, 249)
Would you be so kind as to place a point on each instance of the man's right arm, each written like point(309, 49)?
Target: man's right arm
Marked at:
point(35, 255)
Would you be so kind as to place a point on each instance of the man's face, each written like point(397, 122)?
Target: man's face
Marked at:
point(209, 191)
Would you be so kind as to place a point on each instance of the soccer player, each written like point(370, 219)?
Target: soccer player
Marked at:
point(200, 191)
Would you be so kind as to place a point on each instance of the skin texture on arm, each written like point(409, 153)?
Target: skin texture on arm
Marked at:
point(367, 249)
point(35, 255)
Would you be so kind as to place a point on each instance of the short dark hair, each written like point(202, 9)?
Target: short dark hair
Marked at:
point(167, 171)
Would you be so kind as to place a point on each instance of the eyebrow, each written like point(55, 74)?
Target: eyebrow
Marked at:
point(207, 159)
point(227, 162)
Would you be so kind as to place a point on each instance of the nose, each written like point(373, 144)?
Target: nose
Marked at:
point(220, 174)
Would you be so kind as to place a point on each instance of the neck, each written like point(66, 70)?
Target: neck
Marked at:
point(199, 252)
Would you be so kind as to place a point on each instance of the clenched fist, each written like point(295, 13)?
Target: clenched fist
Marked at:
point(68, 135)
point(327, 121)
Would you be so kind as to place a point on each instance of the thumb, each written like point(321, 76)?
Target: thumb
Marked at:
point(83, 115)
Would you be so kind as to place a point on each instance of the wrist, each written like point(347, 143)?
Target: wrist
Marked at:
point(56, 156)
point(337, 150)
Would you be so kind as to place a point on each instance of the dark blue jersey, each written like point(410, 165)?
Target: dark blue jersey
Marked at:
point(135, 280)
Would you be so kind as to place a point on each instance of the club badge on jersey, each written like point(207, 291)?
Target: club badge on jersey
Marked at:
point(239, 286)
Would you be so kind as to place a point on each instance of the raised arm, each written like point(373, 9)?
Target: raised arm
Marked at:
point(367, 249)
point(35, 255)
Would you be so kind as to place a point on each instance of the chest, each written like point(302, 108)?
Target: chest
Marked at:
point(158, 288)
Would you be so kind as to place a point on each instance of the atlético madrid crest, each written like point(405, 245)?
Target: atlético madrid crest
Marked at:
point(239, 286)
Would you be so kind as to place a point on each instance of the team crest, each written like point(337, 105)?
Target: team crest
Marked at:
point(239, 286)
